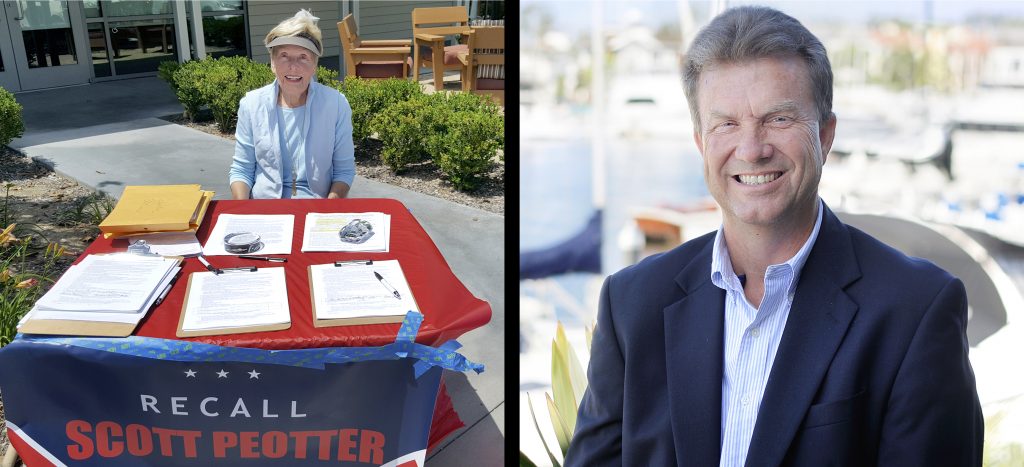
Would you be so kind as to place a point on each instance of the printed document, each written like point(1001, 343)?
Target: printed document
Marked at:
point(353, 290)
point(120, 283)
point(274, 231)
point(100, 315)
point(366, 232)
point(236, 299)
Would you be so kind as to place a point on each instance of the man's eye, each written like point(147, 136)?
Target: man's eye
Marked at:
point(780, 119)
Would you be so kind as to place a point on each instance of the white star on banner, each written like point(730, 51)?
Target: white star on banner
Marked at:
point(222, 374)
point(254, 374)
point(190, 374)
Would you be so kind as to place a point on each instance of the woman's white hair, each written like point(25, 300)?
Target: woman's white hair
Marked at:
point(303, 24)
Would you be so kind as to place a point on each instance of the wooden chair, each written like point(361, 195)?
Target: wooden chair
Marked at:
point(430, 26)
point(485, 61)
point(372, 58)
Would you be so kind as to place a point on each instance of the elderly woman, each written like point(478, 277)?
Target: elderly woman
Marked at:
point(294, 136)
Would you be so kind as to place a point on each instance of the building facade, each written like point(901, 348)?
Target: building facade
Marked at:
point(54, 43)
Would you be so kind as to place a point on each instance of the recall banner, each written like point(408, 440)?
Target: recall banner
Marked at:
point(142, 401)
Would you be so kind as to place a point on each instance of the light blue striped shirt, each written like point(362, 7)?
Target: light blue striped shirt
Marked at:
point(751, 338)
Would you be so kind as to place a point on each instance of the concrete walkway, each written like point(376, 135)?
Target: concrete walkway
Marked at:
point(107, 136)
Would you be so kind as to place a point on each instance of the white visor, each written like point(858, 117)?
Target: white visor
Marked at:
point(295, 40)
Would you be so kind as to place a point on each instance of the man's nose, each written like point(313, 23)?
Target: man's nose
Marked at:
point(752, 146)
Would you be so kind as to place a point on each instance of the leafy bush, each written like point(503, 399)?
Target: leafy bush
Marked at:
point(187, 80)
point(11, 124)
point(369, 97)
point(464, 151)
point(225, 81)
point(166, 72)
point(326, 76)
point(402, 127)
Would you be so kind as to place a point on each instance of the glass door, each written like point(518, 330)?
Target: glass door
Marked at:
point(48, 48)
point(8, 74)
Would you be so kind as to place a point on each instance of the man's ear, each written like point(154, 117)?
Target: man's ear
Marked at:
point(827, 134)
point(698, 141)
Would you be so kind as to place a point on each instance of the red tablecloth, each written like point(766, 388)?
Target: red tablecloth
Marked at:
point(448, 308)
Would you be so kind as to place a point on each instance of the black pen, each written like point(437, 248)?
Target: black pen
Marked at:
point(387, 285)
point(264, 258)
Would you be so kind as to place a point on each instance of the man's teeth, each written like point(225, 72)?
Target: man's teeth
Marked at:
point(293, 77)
point(757, 179)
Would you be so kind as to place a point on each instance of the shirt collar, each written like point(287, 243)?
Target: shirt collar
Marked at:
point(724, 277)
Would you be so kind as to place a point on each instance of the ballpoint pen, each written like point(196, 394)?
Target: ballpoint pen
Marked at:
point(208, 265)
point(387, 285)
point(264, 258)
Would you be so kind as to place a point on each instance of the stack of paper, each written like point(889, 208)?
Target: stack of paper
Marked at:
point(235, 302)
point(359, 292)
point(271, 233)
point(157, 208)
point(322, 232)
point(102, 290)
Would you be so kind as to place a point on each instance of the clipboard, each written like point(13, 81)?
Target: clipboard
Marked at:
point(221, 331)
point(67, 327)
point(326, 323)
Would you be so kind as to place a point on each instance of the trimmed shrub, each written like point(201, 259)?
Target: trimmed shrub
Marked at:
point(188, 78)
point(326, 76)
point(465, 149)
point(402, 128)
point(368, 97)
point(225, 81)
point(11, 124)
point(166, 72)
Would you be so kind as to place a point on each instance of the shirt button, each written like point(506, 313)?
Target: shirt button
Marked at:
point(755, 332)
point(745, 400)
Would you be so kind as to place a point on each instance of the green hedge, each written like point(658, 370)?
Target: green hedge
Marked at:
point(465, 151)
point(369, 97)
point(11, 124)
point(460, 132)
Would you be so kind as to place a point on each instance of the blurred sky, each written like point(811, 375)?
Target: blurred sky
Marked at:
point(571, 16)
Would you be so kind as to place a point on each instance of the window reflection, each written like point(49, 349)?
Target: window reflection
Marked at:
point(140, 46)
point(135, 7)
point(224, 36)
point(213, 5)
point(98, 46)
point(92, 8)
point(49, 47)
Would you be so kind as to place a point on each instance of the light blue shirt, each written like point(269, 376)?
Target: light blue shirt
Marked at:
point(752, 337)
point(292, 146)
point(326, 132)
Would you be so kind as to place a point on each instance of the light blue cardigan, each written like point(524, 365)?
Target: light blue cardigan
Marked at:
point(330, 155)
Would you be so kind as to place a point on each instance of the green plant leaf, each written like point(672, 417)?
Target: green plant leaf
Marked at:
point(533, 415)
point(577, 377)
point(561, 386)
point(525, 461)
point(562, 432)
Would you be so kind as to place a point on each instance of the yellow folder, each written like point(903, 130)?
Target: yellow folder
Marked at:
point(156, 208)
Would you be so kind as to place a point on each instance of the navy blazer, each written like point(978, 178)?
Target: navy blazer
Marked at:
point(872, 368)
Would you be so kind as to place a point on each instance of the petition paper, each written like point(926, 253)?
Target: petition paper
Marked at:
point(274, 230)
point(236, 299)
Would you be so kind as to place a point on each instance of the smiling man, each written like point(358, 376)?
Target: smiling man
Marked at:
point(786, 337)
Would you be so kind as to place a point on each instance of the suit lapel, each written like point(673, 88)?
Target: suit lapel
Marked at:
point(693, 347)
point(817, 323)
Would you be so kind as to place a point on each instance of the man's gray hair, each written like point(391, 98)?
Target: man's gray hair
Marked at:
point(748, 33)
